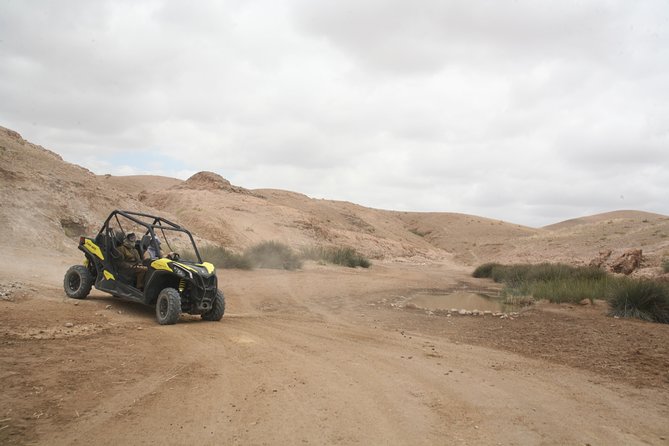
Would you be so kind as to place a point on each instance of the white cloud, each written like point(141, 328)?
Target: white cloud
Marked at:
point(530, 112)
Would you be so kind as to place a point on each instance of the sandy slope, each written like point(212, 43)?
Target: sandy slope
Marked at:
point(49, 202)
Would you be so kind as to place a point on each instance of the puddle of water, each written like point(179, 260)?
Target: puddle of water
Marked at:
point(461, 300)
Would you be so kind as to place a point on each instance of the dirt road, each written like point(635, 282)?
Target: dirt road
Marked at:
point(318, 356)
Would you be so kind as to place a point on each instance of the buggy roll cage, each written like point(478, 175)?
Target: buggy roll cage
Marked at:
point(159, 223)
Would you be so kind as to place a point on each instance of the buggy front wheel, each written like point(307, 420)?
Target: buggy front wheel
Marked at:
point(168, 306)
point(217, 309)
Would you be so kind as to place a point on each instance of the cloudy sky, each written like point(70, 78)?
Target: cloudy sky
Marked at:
point(527, 111)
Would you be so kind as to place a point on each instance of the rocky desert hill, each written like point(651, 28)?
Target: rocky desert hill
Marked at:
point(48, 203)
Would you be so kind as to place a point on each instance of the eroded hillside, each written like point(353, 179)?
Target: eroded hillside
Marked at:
point(49, 202)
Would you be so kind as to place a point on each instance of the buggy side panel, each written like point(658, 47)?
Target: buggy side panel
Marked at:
point(93, 249)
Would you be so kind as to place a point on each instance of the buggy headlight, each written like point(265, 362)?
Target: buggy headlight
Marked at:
point(181, 271)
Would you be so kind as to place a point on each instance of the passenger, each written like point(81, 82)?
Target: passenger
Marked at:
point(131, 264)
point(154, 252)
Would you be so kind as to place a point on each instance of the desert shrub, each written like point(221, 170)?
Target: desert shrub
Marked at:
point(643, 299)
point(485, 270)
point(272, 254)
point(518, 300)
point(510, 274)
point(665, 265)
point(555, 282)
point(347, 257)
point(224, 258)
point(520, 273)
point(338, 255)
point(313, 252)
point(570, 290)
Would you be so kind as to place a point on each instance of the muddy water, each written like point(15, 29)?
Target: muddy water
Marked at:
point(459, 300)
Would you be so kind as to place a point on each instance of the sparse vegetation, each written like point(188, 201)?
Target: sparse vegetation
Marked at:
point(643, 299)
point(272, 254)
point(418, 232)
point(518, 301)
point(224, 258)
point(338, 255)
point(665, 265)
point(561, 290)
point(484, 271)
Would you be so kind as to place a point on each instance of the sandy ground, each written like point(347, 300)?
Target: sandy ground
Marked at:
point(325, 355)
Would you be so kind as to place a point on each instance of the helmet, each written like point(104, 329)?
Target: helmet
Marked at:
point(118, 236)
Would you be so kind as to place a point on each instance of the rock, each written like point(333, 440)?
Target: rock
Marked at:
point(487, 313)
point(108, 307)
point(628, 262)
point(453, 310)
point(76, 302)
point(585, 302)
point(211, 181)
point(69, 324)
point(601, 259)
point(462, 312)
point(207, 180)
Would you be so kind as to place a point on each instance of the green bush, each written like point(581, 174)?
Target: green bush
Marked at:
point(510, 274)
point(520, 273)
point(224, 258)
point(570, 290)
point(555, 282)
point(643, 299)
point(338, 255)
point(485, 270)
point(520, 300)
point(272, 254)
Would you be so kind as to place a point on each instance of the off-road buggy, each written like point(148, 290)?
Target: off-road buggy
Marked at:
point(180, 283)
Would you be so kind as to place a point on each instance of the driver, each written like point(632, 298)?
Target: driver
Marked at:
point(131, 264)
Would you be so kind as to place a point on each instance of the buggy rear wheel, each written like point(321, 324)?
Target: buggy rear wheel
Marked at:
point(168, 306)
point(78, 282)
point(217, 309)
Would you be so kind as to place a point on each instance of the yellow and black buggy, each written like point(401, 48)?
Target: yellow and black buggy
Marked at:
point(180, 283)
